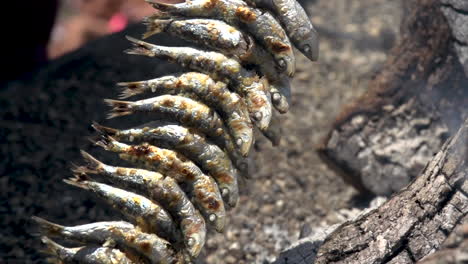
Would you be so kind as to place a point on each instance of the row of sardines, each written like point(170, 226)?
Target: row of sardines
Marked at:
point(188, 159)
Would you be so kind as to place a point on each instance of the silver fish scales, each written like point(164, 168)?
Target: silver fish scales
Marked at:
point(85, 255)
point(125, 235)
point(202, 189)
point(215, 94)
point(186, 163)
point(219, 36)
point(217, 66)
point(148, 215)
point(298, 26)
point(262, 25)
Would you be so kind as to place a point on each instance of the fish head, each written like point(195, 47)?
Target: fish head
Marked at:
point(309, 45)
point(283, 54)
point(230, 193)
point(286, 63)
point(218, 220)
point(195, 243)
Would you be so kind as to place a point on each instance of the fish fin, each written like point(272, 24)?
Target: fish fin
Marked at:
point(47, 227)
point(92, 165)
point(140, 48)
point(51, 247)
point(161, 6)
point(104, 130)
point(277, 45)
point(120, 108)
point(155, 26)
point(104, 141)
point(132, 88)
point(80, 181)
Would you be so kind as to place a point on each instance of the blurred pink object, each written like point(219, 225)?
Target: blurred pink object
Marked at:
point(118, 22)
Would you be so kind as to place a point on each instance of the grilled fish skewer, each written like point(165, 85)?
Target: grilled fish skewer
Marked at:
point(215, 94)
point(219, 36)
point(209, 157)
point(178, 108)
point(219, 67)
point(262, 25)
point(85, 255)
point(124, 234)
point(202, 190)
point(170, 163)
point(146, 214)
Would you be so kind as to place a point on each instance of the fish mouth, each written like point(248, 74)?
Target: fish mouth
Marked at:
point(218, 222)
point(194, 246)
point(311, 47)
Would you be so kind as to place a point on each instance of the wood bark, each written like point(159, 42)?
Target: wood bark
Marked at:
point(454, 250)
point(381, 142)
point(409, 226)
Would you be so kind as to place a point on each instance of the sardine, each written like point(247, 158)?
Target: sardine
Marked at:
point(167, 162)
point(146, 214)
point(219, 36)
point(219, 67)
point(84, 255)
point(274, 131)
point(184, 110)
point(209, 157)
point(201, 188)
point(209, 33)
point(166, 192)
point(262, 25)
point(124, 234)
point(229, 105)
point(297, 24)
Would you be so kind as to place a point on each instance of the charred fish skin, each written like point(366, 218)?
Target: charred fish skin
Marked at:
point(297, 24)
point(182, 109)
point(262, 25)
point(229, 105)
point(169, 163)
point(206, 196)
point(85, 255)
point(165, 190)
point(219, 67)
point(146, 214)
point(124, 234)
point(209, 33)
point(209, 157)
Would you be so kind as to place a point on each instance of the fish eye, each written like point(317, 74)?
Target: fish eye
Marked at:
point(191, 242)
point(306, 48)
point(282, 64)
point(212, 218)
point(258, 116)
point(276, 97)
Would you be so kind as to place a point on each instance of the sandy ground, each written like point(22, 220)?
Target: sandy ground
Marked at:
point(292, 190)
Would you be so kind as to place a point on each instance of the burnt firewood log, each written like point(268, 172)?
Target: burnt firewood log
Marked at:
point(380, 142)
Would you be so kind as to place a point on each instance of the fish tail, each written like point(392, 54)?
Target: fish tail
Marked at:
point(92, 166)
point(47, 227)
point(119, 108)
point(140, 48)
point(80, 181)
point(155, 26)
point(104, 141)
point(132, 88)
point(51, 247)
point(161, 6)
point(104, 130)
